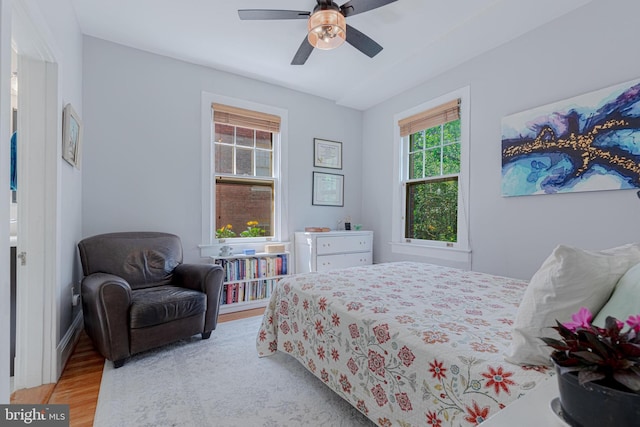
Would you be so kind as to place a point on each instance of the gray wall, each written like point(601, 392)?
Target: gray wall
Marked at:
point(67, 45)
point(591, 48)
point(142, 143)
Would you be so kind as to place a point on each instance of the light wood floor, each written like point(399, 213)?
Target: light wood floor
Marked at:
point(79, 383)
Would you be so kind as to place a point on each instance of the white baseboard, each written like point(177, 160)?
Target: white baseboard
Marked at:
point(68, 342)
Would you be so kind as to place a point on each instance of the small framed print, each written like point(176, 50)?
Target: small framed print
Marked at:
point(71, 136)
point(327, 154)
point(328, 189)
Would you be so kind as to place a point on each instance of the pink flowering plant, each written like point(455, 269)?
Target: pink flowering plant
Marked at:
point(610, 354)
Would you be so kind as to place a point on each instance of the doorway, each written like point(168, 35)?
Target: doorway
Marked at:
point(37, 148)
point(13, 207)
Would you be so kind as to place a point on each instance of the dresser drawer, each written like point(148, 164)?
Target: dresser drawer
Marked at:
point(331, 262)
point(343, 244)
point(323, 251)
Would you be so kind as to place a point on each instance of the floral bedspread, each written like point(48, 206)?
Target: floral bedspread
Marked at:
point(408, 344)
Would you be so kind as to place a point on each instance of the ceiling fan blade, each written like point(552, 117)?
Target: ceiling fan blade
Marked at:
point(353, 7)
point(303, 53)
point(261, 14)
point(362, 42)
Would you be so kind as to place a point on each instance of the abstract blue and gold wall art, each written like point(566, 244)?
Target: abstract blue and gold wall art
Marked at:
point(586, 143)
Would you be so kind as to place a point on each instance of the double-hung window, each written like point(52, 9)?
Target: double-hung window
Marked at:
point(433, 167)
point(243, 175)
point(245, 183)
point(431, 197)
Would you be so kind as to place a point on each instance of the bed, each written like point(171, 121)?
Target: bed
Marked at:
point(408, 344)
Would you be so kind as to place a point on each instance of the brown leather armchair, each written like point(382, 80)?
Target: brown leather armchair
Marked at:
point(137, 294)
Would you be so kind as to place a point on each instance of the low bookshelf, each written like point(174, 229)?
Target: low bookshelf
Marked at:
point(250, 279)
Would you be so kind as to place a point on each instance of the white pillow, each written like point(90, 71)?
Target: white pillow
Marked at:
point(625, 299)
point(568, 279)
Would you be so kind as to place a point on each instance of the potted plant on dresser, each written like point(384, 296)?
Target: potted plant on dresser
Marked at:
point(598, 370)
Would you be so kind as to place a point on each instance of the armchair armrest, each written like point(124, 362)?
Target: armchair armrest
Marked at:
point(205, 278)
point(105, 304)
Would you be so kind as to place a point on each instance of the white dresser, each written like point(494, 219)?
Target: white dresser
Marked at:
point(333, 249)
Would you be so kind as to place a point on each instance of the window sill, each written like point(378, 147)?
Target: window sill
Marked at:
point(237, 246)
point(460, 257)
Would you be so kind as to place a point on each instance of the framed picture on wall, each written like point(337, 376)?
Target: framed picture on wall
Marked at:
point(71, 136)
point(327, 154)
point(328, 189)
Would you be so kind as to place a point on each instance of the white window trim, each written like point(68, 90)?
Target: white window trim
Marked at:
point(460, 251)
point(210, 245)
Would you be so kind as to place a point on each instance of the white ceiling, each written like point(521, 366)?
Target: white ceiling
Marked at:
point(421, 39)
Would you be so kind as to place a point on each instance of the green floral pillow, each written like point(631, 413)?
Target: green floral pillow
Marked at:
point(625, 299)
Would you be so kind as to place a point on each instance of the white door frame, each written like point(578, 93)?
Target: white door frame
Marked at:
point(5, 108)
point(37, 321)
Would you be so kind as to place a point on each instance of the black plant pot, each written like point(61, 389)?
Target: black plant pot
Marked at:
point(596, 405)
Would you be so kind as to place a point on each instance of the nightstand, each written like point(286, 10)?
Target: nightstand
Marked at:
point(531, 410)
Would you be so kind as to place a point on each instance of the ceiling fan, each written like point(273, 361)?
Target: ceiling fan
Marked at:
point(326, 25)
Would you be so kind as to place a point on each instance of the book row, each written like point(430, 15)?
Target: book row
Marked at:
point(247, 291)
point(254, 267)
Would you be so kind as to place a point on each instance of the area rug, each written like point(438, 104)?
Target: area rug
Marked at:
point(218, 382)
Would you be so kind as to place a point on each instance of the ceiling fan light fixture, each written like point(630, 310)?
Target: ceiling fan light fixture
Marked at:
point(327, 29)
